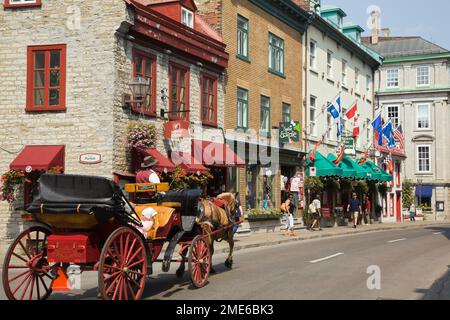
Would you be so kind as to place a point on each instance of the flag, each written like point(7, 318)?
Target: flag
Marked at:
point(340, 156)
point(398, 134)
point(352, 111)
point(389, 164)
point(335, 109)
point(364, 157)
point(356, 128)
point(377, 124)
point(388, 133)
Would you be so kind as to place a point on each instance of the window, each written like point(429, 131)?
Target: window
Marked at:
point(424, 159)
point(242, 37)
point(179, 92)
point(286, 117)
point(330, 124)
point(358, 37)
point(339, 21)
point(330, 64)
point(312, 116)
point(392, 78)
point(144, 65)
point(344, 72)
point(209, 100)
point(393, 114)
point(276, 54)
point(46, 83)
point(357, 86)
point(423, 76)
point(242, 108)
point(423, 116)
point(187, 17)
point(312, 55)
point(369, 87)
point(21, 3)
point(265, 115)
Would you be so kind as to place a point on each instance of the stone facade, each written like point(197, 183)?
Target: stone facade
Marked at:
point(99, 68)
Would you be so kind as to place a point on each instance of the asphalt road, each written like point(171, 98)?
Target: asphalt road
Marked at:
point(411, 264)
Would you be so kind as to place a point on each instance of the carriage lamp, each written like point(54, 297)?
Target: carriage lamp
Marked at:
point(140, 88)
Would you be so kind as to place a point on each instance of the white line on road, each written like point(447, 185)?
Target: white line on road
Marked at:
point(437, 233)
point(392, 241)
point(327, 258)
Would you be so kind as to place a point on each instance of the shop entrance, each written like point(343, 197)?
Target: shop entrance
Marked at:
point(218, 183)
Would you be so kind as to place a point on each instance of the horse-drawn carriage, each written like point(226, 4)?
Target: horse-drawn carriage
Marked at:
point(87, 223)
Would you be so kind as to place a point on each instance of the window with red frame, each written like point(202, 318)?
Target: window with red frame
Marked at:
point(209, 100)
point(144, 65)
point(46, 83)
point(179, 93)
point(21, 3)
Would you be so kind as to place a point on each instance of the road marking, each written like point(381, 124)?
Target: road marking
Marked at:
point(392, 241)
point(327, 258)
point(437, 233)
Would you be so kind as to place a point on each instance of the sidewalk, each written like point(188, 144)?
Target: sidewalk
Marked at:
point(275, 238)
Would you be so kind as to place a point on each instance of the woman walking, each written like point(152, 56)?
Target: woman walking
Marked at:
point(412, 213)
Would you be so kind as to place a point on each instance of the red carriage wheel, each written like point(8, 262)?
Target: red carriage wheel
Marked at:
point(199, 262)
point(123, 266)
point(26, 272)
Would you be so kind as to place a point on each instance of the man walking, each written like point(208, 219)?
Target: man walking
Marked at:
point(367, 208)
point(355, 208)
point(316, 213)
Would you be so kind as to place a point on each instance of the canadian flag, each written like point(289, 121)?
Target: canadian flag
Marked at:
point(356, 128)
point(351, 113)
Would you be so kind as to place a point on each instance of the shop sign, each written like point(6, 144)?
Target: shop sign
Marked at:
point(90, 158)
point(313, 172)
point(349, 143)
point(176, 129)
point(289, 132)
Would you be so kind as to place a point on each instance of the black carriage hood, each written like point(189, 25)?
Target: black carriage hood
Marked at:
point(76, 189)
point(187, 198)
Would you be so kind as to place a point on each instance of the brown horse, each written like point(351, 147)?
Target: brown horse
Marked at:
point(216, 218)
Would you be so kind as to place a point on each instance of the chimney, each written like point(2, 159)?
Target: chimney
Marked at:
point(375, 15)
point(386, 32)
point(304, 4)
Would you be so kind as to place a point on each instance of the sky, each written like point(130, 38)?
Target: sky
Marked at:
point(428, 19)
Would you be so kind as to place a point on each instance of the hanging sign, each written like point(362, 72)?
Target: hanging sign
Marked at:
point(289, 132)
point(349, 143)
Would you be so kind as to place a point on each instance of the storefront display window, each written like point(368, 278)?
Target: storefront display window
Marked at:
point(252, 182)
point(232, 180)
point(268, 188)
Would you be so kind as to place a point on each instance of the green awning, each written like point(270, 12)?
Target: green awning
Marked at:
point(355, 170)
point(378, 174)
point(325, 168)
point(347, 169)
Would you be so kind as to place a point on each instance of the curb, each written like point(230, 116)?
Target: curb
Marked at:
point(319, 236)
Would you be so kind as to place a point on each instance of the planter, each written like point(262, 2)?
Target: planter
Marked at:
point(264, 226)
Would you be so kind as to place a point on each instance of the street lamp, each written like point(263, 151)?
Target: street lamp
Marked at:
point(140, 88)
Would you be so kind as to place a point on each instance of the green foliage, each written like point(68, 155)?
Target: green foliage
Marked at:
point(361, 187)
point(383, 188)
point(346, 186)
point(141, 136)
point(181, 180)
point(332, 185)
point(261, 214)
point(10, 180)
point(407, 194)
point(314, 184)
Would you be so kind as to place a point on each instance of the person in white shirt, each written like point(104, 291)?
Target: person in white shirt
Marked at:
point(317, 214)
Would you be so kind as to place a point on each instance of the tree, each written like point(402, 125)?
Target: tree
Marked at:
point(408, 194)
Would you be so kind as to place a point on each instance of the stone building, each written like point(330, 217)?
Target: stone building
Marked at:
point(66, 66)
point(263, 91)
point(413, 88)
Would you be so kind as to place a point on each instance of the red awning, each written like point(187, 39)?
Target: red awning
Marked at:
point(164, 164)
point(216, 154)
point(188, 163)
point(39, 158)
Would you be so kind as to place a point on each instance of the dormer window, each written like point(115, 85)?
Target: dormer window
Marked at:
point(187, 17)
point(358, 37)
point(339, 21)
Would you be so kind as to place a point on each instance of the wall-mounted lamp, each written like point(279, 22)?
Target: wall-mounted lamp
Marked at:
point(140, 88)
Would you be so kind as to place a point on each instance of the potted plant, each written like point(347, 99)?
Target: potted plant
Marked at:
point(140, 137)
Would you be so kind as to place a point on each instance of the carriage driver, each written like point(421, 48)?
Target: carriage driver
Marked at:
point(147, 174)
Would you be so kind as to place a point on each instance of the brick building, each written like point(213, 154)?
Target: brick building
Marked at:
point(263, 90)
point(66, 66)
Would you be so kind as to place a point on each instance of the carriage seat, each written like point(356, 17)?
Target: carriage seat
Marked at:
point(161, 219)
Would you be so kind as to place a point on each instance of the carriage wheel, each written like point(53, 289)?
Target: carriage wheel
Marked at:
point(26, 272)
point(123, 266)
point(199, 262)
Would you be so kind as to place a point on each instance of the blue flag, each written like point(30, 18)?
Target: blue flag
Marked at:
point(388, 133)
point(377, 124)
point(334, 109)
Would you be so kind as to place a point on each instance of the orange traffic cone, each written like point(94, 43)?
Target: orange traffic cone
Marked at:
point(61, 283)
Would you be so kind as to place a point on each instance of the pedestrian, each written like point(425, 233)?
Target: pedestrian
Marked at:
point(238, 213)
point(317, 214)
point(288, 209)
point(412, 213)
point(354, 207)
point(367, 208)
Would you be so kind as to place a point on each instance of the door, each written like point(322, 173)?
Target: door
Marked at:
point(399, 207)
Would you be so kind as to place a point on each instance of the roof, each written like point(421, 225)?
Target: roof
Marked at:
point(329, 8)
point(351, 25)
point(394, 47)
point(153, 2)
